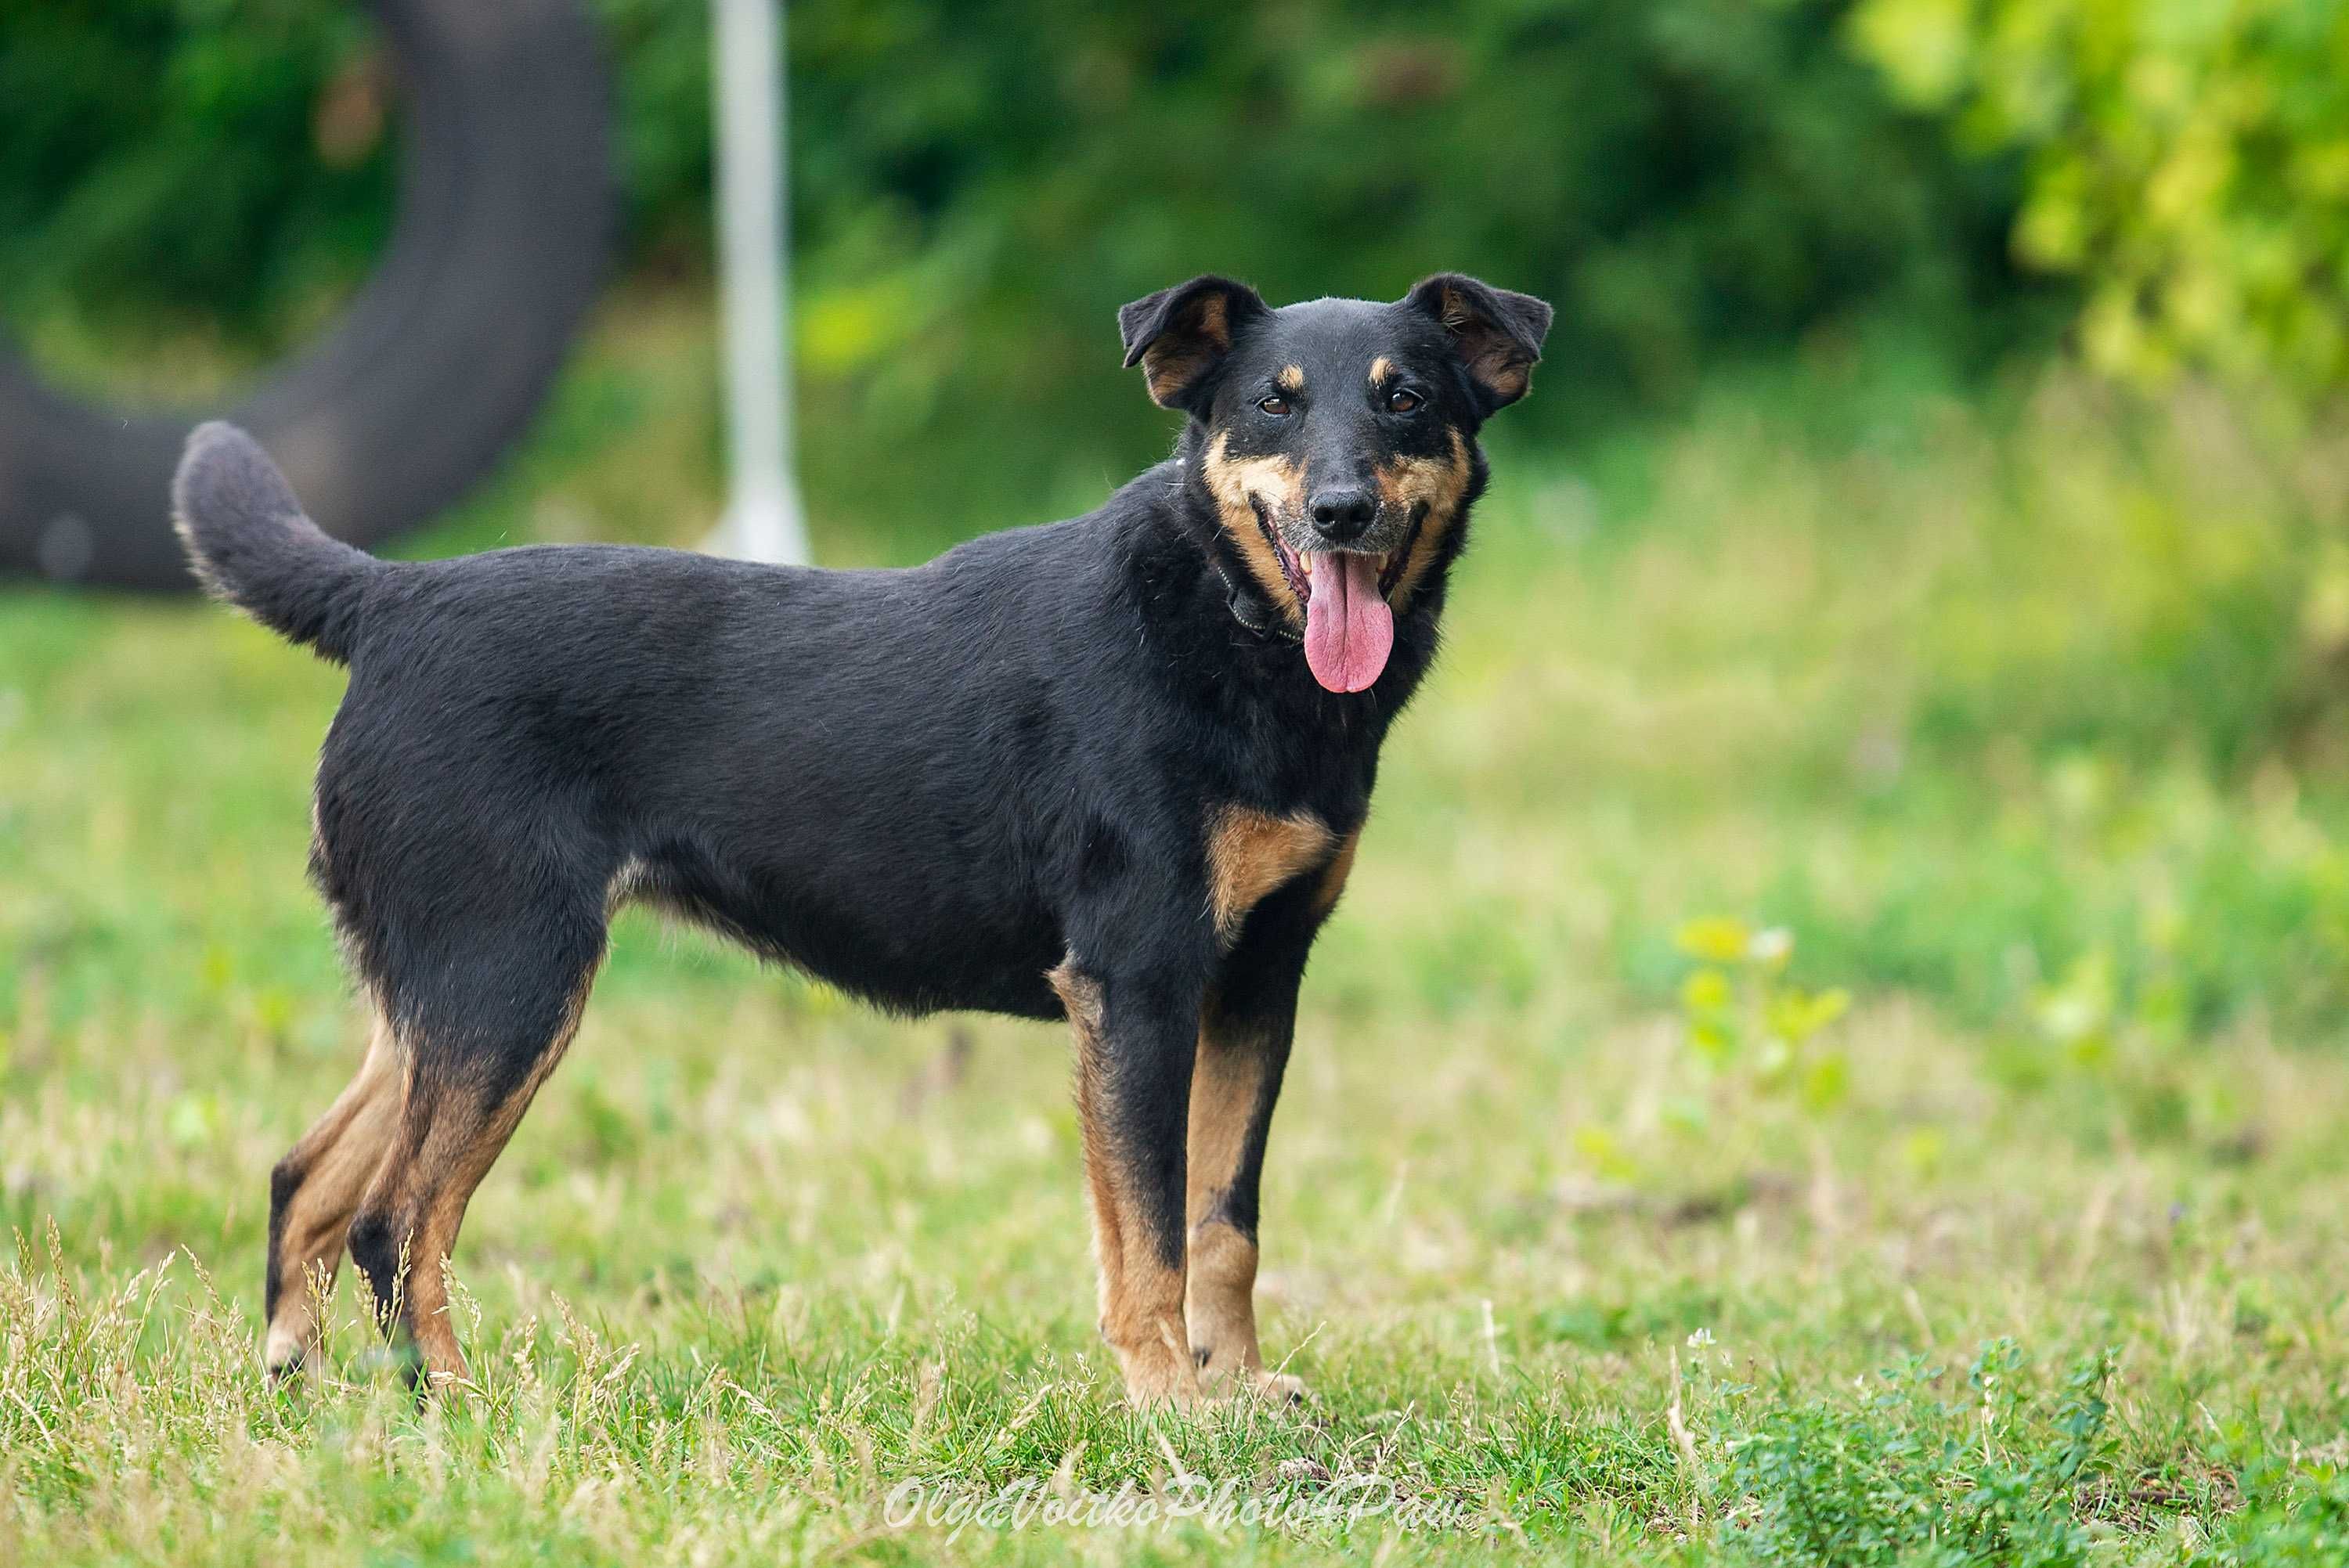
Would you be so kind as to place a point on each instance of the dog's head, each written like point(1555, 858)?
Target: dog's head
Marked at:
point(1337, 439)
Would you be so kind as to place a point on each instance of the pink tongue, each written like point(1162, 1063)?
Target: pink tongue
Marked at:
point(1349, 630)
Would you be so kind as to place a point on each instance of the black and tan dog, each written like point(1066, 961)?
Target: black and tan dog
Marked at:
point(1083, 770)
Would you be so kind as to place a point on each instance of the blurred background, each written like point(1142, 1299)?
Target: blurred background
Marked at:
point(1959, 376)
point(1960, 189)
point(191, 190)
point(1890, 738)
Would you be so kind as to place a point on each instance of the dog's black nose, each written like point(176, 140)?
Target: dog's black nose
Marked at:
point(1342, 514)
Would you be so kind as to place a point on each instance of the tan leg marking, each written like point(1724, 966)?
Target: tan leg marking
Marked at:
point(1220, 1305)
point(447, 1140)
point(333, 1163)
point(1141, 1299)
point(1250, 853)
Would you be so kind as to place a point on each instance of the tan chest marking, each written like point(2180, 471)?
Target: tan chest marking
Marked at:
point(1333, 879)
point(1250, 853)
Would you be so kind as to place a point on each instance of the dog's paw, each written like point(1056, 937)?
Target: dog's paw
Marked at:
point(1160, 1377)
point(1281, 1390)
point(1255, 1384)
point(1173, 1395)
point(286, 1354)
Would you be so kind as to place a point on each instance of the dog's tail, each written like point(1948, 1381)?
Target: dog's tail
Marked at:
point(249, 543)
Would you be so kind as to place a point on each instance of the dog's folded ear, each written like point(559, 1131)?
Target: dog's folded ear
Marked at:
point(1498, 334)
point(1180, 335)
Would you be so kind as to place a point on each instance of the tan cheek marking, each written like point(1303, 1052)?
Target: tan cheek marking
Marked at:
point(1441, 482)
point(1278, 483)
point(1291, 379)
point(1250, 853)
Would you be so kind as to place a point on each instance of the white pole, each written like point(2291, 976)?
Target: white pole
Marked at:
point(764, 521)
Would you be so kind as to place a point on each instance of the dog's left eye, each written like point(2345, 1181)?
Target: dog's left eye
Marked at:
point(1276, 406)
point(1402, 400)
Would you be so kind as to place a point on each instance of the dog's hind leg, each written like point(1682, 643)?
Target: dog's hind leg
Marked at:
point(313, 1193)
point(468, 1087)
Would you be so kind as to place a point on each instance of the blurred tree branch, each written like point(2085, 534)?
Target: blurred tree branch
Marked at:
point(2190, 162)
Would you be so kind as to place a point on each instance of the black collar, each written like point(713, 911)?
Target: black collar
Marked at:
point(1249, 609)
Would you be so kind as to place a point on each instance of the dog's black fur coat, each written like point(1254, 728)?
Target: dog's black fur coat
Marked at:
point(929, 787)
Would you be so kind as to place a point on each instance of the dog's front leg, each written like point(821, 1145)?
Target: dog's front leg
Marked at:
point(1136, 1037)
point(1243, 1046)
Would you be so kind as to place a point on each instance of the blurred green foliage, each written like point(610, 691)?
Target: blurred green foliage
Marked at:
point(2190, 161)
point(982, 185)
point(220, 163)
point(1743, 1017)
point(979, 186)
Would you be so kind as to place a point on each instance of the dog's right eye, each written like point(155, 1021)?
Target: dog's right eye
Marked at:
point(1274, 406)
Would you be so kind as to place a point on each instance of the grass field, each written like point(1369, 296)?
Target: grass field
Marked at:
point(1831, 1054)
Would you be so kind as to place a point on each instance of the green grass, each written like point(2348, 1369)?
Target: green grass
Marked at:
point(2035, 1254)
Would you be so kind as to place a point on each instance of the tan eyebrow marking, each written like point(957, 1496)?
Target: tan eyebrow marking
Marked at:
point(1291, 379)
point(1380, 368)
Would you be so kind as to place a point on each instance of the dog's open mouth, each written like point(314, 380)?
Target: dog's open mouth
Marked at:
point(1349, 624)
